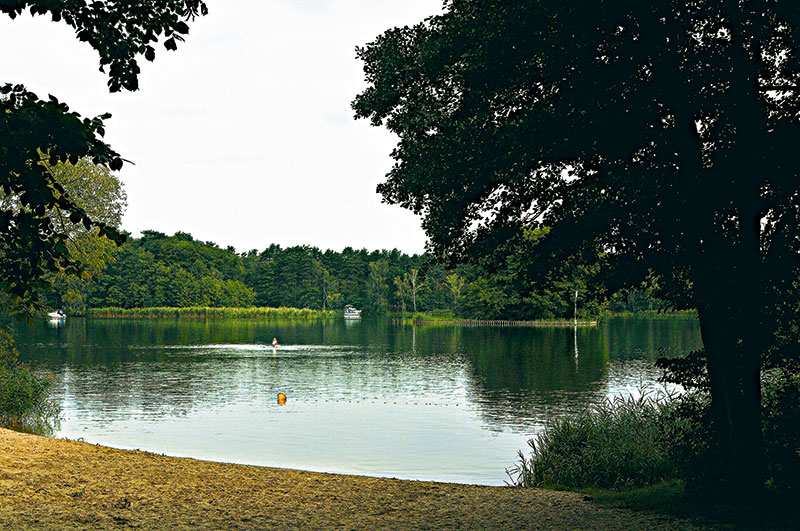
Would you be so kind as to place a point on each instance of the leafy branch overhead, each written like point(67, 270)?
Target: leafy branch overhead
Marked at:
point(37, 134)
point(119, 31)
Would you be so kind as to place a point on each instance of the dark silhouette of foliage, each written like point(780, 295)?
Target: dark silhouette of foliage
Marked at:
point(658, 135)
point(120, 32)
point(34, 130)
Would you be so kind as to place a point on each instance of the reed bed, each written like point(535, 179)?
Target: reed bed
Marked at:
point(425, 320)
point(656, 314)
point(617, 444)
point(212, 313)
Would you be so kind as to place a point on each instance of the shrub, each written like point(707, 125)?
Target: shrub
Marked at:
point(687, 439)
point(616, 444)
point(688, 428)
point(781, 423)
point(25, 401)
point(631, 442)
point(443, 313)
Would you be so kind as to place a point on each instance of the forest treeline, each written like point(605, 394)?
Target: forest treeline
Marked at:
point(157, 270)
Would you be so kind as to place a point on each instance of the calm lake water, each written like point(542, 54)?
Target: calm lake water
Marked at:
point(443, 403)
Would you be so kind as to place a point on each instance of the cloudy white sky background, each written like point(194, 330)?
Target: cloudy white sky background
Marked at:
point(245, 135)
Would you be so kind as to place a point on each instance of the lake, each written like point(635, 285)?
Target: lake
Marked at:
point(431, 402)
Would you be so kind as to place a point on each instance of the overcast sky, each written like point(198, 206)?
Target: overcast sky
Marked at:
point(245, 135)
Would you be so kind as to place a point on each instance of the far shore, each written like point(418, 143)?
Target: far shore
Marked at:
point(48, 483)
point(499, 322)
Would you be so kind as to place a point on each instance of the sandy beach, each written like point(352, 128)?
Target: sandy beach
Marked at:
point(48, 483)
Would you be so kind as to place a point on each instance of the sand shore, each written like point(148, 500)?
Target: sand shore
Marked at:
point(59, 484)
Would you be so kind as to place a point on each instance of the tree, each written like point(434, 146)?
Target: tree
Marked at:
point(37, 134)
point(456, 284)
point(377, 286)
point(414, 284)
point(327, 285)
point(437, 294)
point(483, 299)
point(658, 135)
point(402, 291)
point(160, 270)
point(100, 194)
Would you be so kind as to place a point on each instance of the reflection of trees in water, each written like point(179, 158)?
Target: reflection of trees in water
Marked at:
point(527, 375)
point(634, 338)
point(535, 359)
point(523, 376)
point(516, 376)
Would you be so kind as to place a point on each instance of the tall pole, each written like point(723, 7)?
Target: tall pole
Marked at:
point(575, 329)
point(576, 309)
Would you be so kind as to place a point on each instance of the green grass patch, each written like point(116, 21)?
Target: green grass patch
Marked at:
point(654, 314)
point(432, 316)
point(213, 313)
point(670, 498)
point(666, 497)
point(447, 317)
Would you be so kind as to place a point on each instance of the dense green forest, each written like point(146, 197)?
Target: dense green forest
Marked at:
point(179, 271)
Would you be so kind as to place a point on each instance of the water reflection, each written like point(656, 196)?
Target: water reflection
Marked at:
point(428, 402)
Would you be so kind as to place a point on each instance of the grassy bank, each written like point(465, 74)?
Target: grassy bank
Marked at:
point(671, 499)
point(446, 317)
point(654, 314)
point(214, 313)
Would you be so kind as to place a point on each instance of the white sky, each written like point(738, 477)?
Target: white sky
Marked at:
point(245, 135)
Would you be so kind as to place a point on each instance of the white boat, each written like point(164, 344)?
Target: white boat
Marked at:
point(350, 312)
point(57, 315)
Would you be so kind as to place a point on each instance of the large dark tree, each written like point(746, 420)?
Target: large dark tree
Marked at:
point(33, 131)
point(663, 134)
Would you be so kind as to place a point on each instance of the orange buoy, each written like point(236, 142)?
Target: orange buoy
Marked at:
point(281, 398)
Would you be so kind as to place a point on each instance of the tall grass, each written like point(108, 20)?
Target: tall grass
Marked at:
point(25, 401)
point(216, 313)
point(655, 314)
point(616, 444)
point(447, 316)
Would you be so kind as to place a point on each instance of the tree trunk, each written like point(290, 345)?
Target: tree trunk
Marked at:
point(734, 374)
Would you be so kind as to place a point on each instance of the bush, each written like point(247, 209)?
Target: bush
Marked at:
point(631, 442)
point(25, 401)
point(687, 425)
point(617, 444)
point(781, 422)
point(445, 313)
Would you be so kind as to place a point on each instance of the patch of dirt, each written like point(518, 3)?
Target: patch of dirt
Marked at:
point(60, 484)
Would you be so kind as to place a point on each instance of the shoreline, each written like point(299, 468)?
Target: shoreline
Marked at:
point(50, 483)
point(502, 323)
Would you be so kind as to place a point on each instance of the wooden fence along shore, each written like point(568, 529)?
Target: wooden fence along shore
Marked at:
point(492, 322)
